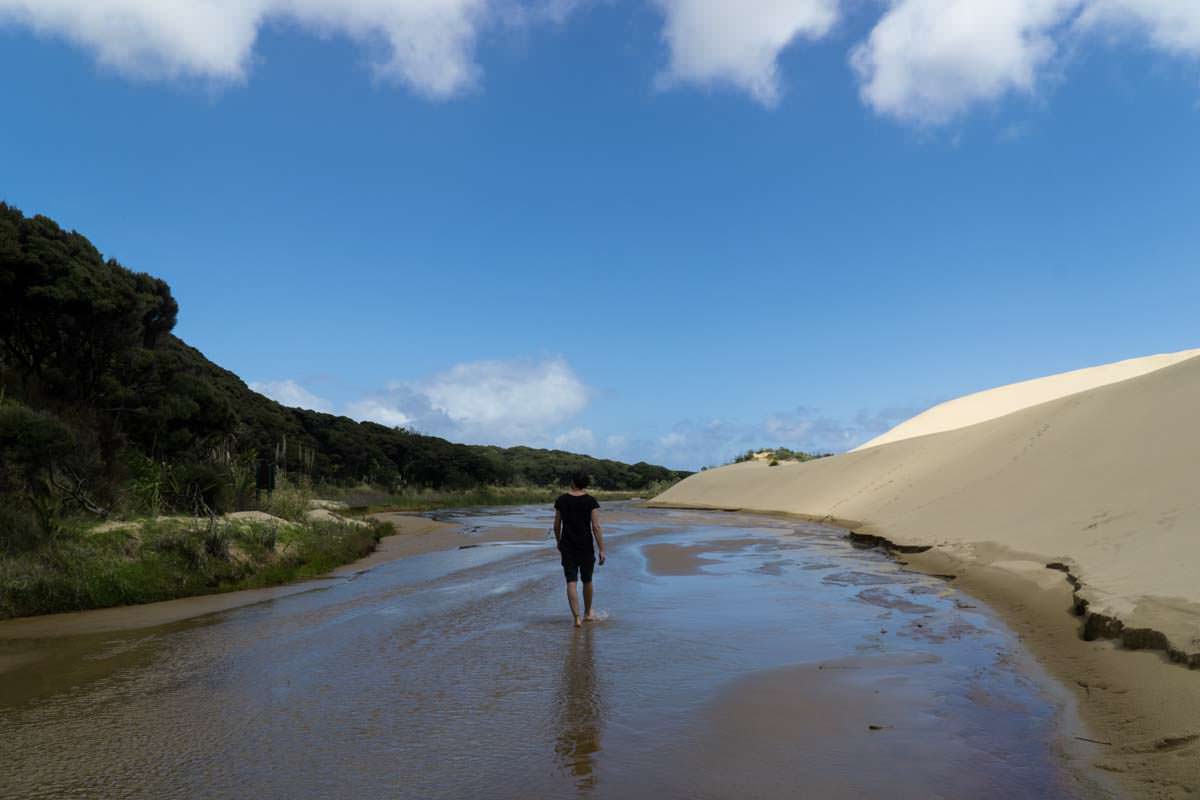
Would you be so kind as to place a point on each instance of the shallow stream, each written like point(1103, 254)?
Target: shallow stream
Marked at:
point(736, 656)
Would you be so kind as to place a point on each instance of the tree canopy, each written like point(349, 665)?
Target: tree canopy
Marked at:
point(88, 364)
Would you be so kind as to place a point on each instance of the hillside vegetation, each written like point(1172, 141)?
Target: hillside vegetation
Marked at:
point(105, 414)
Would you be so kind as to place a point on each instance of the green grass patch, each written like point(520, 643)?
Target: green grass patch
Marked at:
point(167, 559)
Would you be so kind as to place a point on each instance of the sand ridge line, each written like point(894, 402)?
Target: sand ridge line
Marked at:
point(990, 404)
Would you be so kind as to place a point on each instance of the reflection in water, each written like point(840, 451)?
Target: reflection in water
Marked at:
point(579, 712)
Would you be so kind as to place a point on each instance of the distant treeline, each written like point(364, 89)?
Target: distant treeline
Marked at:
point(102, 408)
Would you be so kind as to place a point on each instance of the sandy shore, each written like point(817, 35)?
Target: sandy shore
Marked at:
point(1099, 482)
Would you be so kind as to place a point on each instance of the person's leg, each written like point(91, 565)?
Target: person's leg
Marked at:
point(571, 573)
point(585, 571)
point(573, 600)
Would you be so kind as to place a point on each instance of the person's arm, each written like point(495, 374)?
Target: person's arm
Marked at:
point(557, 528)
point(599, 534)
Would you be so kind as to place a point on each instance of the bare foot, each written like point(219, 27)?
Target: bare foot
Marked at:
point(578, 622)
point(591, 617)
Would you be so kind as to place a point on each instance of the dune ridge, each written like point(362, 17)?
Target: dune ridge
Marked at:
point(982, 406)
point(1101, 482)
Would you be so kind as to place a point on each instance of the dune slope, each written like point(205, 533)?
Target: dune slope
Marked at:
point(979, 407)
point(1105, 481)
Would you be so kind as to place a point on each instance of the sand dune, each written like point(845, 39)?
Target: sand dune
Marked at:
point(1104, 480)
point(982, 406)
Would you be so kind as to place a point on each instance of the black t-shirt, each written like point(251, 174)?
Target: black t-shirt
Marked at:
point(576, 511)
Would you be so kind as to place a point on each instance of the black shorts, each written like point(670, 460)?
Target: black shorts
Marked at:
point(578, 566)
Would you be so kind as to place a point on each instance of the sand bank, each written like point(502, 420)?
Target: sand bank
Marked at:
point(668, 558)
point(417, 535)
point(1102, 482)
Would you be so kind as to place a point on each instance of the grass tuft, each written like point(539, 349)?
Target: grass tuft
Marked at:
point(166, 559)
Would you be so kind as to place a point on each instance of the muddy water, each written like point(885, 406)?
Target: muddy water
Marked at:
point(736, 657)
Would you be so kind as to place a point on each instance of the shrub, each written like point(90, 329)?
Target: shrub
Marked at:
point(216, 541)
point(19, 529)
point(198, 488)
point(290, 500)
point(182, 544)
point(258, 538)
point(144, 487)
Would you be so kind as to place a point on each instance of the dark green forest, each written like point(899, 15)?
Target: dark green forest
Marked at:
point(103, 410)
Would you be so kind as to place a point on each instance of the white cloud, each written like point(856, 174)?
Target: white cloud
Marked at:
point(929, 60)
point(379, 410)
point(430, 42)
point(501, 402)
point(924, 62)
point(576, 440)
point(738, 44)
point(150, 37)
point(508, 397)
point(616, 443)
point(427, 44)
point(1172, 25)
point(292, 394)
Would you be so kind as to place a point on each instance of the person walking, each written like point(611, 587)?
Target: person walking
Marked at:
point(576, 523)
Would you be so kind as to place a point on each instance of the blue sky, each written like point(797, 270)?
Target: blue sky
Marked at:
point(649, 230)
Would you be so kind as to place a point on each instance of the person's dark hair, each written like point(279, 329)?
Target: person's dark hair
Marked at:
point(580, 480)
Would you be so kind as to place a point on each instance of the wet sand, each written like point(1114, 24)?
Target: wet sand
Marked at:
point(148, 615)
point(756, 673)
point(687, 559)
point(832, 719)
point(417, 534)
point(1145, 709)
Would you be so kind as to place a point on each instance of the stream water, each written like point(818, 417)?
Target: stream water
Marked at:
point(735, 656)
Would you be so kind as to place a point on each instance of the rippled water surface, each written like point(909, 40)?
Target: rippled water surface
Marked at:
point(736, 657)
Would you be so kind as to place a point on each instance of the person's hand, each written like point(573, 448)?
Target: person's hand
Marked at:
point(602, 558)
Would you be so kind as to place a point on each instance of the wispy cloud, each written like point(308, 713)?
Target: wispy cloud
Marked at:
point(578, 440)
point(1014, 132)
point(1170, 25)
point(499, 402)
point(539, 403)
point(292, 394)
point(691, 444)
